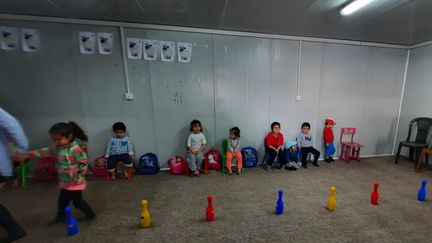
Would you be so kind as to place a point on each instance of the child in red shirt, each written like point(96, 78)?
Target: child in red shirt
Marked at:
point(274, 142)
point(329, 139)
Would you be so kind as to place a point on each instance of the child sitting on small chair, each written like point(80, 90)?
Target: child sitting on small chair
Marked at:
point(304, 139)
point(328, 140)
point(274, 142)
point(119, 148)
point(196, 145)
point(292, 154)
point(234, 150)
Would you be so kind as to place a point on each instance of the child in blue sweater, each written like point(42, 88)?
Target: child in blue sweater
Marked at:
point(119, 148)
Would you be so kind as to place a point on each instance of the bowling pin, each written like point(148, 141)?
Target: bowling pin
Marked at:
point(210, 213)
point(71, 223)
point(145, 215)
point(421, 196)
point(280, 204)
point(375, 194)
point(332, 199)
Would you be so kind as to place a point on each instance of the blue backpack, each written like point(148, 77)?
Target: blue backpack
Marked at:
point(148, 164)
point(250, 157)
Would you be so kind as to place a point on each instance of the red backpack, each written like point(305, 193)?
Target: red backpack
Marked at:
point(46, 169)
point(100, 169)
point(213, 159)
point(178, 165)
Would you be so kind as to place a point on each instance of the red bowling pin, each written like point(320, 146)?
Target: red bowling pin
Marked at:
point(210, 214)
point(375, 194)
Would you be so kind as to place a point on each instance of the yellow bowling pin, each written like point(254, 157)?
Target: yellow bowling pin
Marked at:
point(145, 215)
point(332, 199)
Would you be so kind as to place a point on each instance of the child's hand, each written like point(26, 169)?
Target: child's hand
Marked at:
point(79, 180)
point(20, 157)
point(327, 144)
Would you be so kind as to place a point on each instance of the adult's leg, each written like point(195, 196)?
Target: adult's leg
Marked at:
point(7, 222)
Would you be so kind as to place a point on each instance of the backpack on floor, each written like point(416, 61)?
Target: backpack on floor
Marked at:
point(46, 169)
point(213, 159)
point(250, 157)
point(178, 165)
point(100, 168)
point(148, 164)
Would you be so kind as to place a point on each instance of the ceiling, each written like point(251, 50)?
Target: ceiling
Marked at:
point(404, 22)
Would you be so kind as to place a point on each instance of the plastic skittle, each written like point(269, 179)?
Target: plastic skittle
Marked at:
point(145, 215)
point(280, 204)
point(421, 196)
point(71, 223)
point(375, 194)
point(332, 199)
point(210, 213)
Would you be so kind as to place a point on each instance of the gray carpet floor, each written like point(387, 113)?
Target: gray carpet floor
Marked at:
point(244, 206)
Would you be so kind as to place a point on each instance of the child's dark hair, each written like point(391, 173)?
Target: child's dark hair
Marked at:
point(326, 123)
point(119, 126)
point(77, 131)
point(275, 124)
point(66, 129)
point(306, 124)
point(235, 131)
point(194, 123)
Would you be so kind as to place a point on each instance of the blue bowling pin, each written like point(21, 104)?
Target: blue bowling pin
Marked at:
point(280, 204)
point(421, 196)
point(71, 223)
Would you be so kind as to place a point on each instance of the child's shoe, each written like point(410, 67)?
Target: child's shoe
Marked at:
point(229, 172)
point(290, 168)
point(331, 159)
point(315, 164)
point(304, 165)
point(328, 160)
point(299, 164)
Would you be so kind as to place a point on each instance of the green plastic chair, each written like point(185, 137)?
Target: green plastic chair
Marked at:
point(224, 155)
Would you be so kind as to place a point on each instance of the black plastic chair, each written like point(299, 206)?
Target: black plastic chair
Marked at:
point(424, 124)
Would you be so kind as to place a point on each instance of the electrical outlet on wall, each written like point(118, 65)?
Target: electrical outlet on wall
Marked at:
point(129, 96)
point(298, 98)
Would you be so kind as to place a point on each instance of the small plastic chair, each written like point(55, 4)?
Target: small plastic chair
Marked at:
point(129, 171)
point(424, 124)
point(224, 155)
point(349, 150)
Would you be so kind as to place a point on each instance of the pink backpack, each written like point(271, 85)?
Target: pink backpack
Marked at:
point(100, 169)
point(178, 165)
point(213, 159)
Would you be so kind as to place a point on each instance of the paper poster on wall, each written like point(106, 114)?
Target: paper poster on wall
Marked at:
point(150, 49)
point(9, 38)
point(105, 43)
point(30, 40)
point(184, 52)
point(134, 48)
point(167, 49)
point(87, 42)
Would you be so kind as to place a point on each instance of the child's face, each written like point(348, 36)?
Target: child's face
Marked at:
point(330, 125)
point(276, 129)
point(305, 129)
point(293, 148)
point(61, 140)
point(196, 128)
point(232, 135)
point(119, 133)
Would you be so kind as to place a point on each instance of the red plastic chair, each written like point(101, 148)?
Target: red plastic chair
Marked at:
point(120, 164)
point(349, 150)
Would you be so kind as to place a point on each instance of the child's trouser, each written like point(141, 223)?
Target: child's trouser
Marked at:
point(306, 150)
point(329, 150)
point(195, 160)
point(271, 153)
point(230, 156)
point(8, 223)
point(113, 159)
point(66, 197)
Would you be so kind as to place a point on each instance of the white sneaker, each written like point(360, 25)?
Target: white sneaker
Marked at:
point(293, 164)
point(299, 164)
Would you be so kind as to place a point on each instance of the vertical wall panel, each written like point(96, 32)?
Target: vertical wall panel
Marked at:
point(417, 98)
point(242, 79)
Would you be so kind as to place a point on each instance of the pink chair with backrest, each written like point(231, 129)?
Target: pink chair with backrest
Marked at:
point(349, 149)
